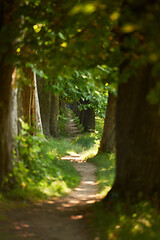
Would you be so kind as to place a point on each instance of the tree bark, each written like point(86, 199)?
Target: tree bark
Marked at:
point(6, 69)
point(138, 140)
point(108, 141)
point(87, 118)
point(62, 105)
point(74, 107)
point(14, 106)
point(28, 107)
point(39, 120)
point(14, 111)
point(54, 118)
point(45, 105)
point(6, 141)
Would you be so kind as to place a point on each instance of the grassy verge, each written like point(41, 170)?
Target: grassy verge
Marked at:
point(89, 142)
point(122, 221)
point(39, 172)
point(105, 164)
point(125, 221)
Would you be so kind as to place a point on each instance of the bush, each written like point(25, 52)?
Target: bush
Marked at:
point(37, 168)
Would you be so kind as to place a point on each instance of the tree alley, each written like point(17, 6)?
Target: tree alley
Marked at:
point(64, 36)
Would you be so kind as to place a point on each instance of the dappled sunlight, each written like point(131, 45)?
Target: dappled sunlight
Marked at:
point(90, 153)
point(76, 217)
point(79, 79)
point(54, 177)
point(20, 226)
point(105, 171)
point(86, 192)
point(79, 189)
point(50, 202)
point(89, 183)
point(126, 221)
point(73, 154)
point(23, 230)
point(90, 201)
point(105, 191)
point(73, 158)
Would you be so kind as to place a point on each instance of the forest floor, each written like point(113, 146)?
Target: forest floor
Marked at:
point(55, 219)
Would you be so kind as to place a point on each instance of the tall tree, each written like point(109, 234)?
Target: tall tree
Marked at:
point(6, 69)
point(39, 120)
point(45, 104)
point(138, 141)
point(108, 140)
point(87, 117)
point(54, 116)
point(28, 98)
point(138, 119)
point(14, 104)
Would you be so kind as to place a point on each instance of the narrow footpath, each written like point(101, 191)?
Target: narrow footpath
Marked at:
point(57, 218)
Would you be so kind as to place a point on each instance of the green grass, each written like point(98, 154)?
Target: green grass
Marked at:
point(105, 164)
point(99, 126)
point(61, 147)
point(58, 179)
point(39, 172)
point(89, 142)
point(123, 220)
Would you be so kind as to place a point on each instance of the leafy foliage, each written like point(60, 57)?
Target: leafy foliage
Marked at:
point(125, 221)
point(38, 171)
point(37, 168)
point(84, 87)
point(55, 37)
point(105, 171)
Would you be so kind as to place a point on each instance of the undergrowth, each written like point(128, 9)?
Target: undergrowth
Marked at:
point(122, 220)
point(125, 221)
point(64, 118)
point(38, 171)
point(105, 164)
point(90, 142)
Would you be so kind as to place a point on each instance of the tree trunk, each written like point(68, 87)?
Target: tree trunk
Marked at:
point(14, 111)
point(28, 107)
point(54, 119)
point(89, 120)
point(86, 117)
point(62, 105)
point(5, 121)
point(138, 140)
point(82, 117)
point(14, 106)
point(108, 143)
point(6, 69)
point(39, 120)
point(45, 105)
point(74, 107)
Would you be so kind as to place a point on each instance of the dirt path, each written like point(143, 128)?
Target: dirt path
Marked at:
point(56, 219)
point(71, 127)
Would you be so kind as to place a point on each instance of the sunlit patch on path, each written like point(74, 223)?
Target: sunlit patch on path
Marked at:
point(57, 218)
point(86, 192)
